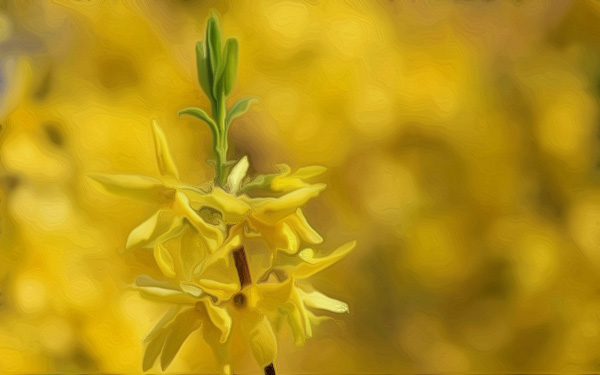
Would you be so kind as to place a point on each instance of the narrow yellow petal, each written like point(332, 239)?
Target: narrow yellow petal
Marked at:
point(162, 224)
point(312, 265)
point(220, 318)
point(299, 223)
point(212, 234)
point(319, 300)
point(296, 180)
point(164, 260)
point(237, 174)
point(147, 189)
point(291, 242)
point(184, 324)
point(223, 291)
point(162, 323)
point(153, 349)
point(166, 166)
point(271, 210)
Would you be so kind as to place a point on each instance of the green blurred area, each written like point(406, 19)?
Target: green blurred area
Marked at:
point(461, 141)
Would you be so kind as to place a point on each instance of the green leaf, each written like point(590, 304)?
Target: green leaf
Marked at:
point(228, 69)
point(238, 109)
point(258, 182)
point(204, 72)
point(199, 113)
point(185, 323)
point(214, 44)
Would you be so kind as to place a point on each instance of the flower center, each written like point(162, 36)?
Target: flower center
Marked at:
point(239, 300)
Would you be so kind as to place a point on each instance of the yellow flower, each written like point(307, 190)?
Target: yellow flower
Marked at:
point(218, 307)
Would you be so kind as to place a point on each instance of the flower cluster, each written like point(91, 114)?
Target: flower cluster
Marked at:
point(230, 261)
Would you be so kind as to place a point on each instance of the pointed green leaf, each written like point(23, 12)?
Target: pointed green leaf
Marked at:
point(199, 113)
point(166, 166)
point(214, 44)
point(184, 324)
point(239, 108)
point(232, 49)
point(148, 189)
point(204, 73)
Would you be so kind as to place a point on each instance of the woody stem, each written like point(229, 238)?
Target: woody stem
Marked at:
point(241, 265)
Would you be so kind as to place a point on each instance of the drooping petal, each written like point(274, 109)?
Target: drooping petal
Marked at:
point(166, 166)
point(162, 323)
point(160, 225)
point(219, 318)
point(144, 188)
point(164, 260)
point(213, 336)
point(294, 319)
point(153, 349)
point(319, 300)
point(312, 265)
point(237, 174)
point(184, 324)
point(260, 336)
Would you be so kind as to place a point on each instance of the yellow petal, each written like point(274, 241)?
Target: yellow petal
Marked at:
point(184, 324)
point(296, 180)
point(271, 210)
point(161, 225)
point(220, 319)
point(148, 189)
point(162, 323)
point(291, 242)
point(223, 291)
point(258, 332)
point(237, 174)
point(312, 265)
point(318, 300)
point(192, 251)
point(166, 166)
point(212, 234)
point(232, 208)
point(153, 349)
point(164, 260)
point(299, 223)
point(223, 253)
point(191, 289)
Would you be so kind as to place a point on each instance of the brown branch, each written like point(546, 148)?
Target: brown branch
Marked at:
point(241, 264)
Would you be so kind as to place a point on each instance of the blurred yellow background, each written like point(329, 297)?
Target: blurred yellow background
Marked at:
point(461, 141)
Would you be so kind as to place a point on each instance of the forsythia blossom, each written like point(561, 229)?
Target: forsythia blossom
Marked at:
point(233, 264)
